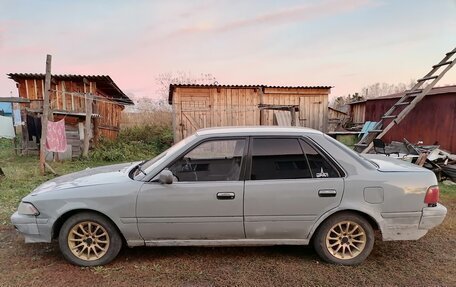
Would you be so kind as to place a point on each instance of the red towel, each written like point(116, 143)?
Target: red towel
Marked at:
point(56, 138)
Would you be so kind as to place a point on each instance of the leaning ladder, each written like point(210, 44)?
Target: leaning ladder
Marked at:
point(406, 103)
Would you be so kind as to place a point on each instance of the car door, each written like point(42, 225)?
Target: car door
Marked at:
point(205, 201)
point(291, 184)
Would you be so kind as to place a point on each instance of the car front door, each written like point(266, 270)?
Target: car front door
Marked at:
point(291, 184)
point(205, 201)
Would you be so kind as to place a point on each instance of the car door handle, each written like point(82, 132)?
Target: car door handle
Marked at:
point(327, 193)
point(225, 195)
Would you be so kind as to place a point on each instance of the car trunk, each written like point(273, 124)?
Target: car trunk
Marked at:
point(388, 164)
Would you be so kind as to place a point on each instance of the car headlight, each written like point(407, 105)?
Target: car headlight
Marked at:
point(27, 208)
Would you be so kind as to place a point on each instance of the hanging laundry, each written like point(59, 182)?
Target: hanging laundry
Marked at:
point(17, 117)
point(6, 127)
point(34, 128)
point(56, 138)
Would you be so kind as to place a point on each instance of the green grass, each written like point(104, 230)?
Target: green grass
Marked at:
point(448, 189)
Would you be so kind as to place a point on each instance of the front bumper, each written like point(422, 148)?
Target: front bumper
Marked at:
point(432, 216)
point(33, 229)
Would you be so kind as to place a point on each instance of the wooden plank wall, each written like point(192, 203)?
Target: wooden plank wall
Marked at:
point(110, 112)
point(357, 113)
point(333, 115)
point(109, 121)
point(313, 105)
point(199, 107)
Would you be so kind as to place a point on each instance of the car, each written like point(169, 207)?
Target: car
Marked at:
point(236, 186)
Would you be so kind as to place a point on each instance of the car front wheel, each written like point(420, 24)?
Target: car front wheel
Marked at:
point(89, 239)
point(345, 238)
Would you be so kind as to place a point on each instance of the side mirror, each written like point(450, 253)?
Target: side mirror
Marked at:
point(166, 177)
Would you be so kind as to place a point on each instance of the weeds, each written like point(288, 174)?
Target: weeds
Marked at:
point(135, 143)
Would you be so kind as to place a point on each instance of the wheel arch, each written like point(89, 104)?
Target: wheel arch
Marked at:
point(372, 221)
point(59, 222)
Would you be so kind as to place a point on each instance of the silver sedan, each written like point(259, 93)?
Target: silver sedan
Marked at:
point(236, 187)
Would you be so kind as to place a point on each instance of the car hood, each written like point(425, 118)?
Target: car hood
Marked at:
point(88, 177)
point(389, 164)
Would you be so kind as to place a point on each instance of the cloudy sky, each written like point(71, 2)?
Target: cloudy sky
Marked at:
point(346, 44)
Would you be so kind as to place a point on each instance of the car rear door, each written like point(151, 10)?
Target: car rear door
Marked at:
point(291, 184)
point(206, 199)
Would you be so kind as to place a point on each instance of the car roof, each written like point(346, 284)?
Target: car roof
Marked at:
point(256, 130)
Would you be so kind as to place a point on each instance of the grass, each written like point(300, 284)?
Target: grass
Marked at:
point(447, 190)
point(158, 117)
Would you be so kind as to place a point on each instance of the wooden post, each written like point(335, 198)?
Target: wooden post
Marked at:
point(293, 116)
point(262, 111)
point(45, 115)
point(88, 124)
point(14, 127)
point(25, 136)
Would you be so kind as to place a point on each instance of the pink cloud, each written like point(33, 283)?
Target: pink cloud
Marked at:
point(299, 13)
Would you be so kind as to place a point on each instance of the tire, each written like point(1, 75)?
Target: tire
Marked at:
point(344, 238)
point(89, 239)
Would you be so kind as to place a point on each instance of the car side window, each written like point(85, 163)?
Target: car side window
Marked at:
point(319, 165)
point(278, 158)
point(216, 160)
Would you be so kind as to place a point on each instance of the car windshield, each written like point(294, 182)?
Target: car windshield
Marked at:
point(148, 166)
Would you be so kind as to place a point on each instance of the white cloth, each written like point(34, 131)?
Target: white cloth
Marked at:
point(6, 127)
point(17, 117)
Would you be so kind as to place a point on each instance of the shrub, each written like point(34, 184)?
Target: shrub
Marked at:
point(134, 143)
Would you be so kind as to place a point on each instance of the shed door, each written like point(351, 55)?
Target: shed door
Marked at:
point(313, 112)
point(195, 114)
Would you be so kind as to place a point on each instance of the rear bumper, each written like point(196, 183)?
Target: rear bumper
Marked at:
point(411, 225)
point(432, 216)
point(33, 229)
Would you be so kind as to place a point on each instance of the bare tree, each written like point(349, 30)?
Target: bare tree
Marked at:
point(160, 100)
point(383, 89)
point(341, 102)
point(164, 80)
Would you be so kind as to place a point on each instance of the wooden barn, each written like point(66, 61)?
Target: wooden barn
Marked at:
point(432, 121)
point(201, 106)
point(68, 97)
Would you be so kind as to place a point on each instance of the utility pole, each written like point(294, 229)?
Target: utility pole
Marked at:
point(45, 115)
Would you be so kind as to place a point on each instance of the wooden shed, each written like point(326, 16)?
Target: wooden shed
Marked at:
point(432, 121)
point(68, 97)
point(202, 106)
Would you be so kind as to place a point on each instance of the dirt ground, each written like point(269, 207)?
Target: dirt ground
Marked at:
point(430, 261)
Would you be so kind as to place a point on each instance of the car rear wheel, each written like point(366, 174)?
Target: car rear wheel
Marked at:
point(345, 238)
point(89, 239)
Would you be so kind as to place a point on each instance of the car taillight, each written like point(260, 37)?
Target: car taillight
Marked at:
point(432, 196)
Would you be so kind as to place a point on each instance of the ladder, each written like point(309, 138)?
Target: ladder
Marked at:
point(406, 104)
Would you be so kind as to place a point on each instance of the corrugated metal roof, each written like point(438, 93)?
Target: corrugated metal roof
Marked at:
point(104, 83)
point(434, 91)
point(357, 102)
point(173, 86)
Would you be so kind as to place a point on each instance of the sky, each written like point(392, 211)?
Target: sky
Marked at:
point(345, 44)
